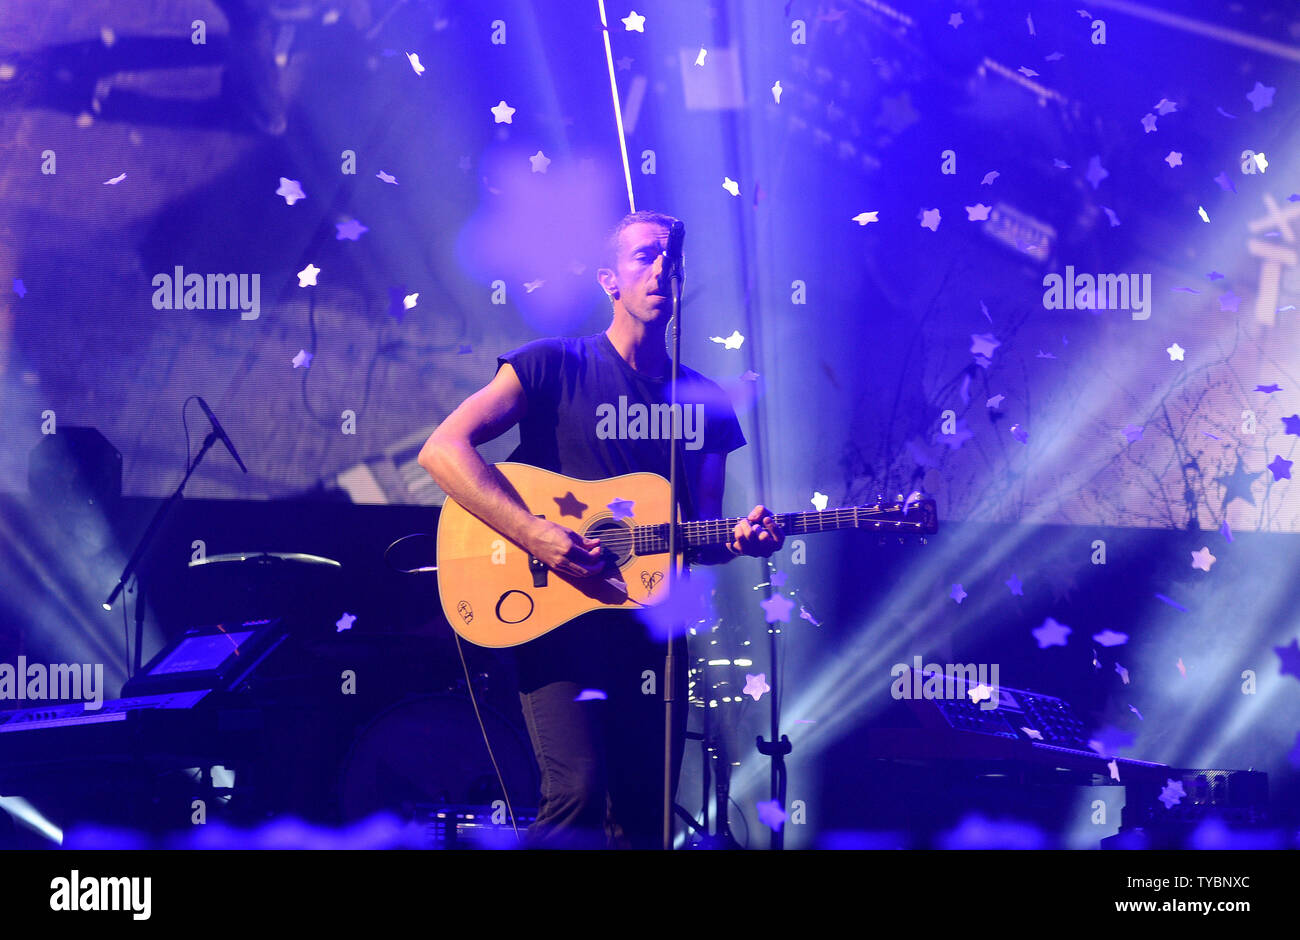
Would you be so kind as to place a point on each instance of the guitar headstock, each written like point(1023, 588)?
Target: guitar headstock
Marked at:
point(910, 514)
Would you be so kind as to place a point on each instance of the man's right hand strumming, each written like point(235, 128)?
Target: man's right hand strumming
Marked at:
point(564, 551)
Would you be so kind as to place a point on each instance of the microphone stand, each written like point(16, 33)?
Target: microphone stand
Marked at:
point(776, 748)
point(670, 660)
point(144, 543)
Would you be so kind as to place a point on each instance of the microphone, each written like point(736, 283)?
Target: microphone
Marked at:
point(221, 433)
point(673, 264)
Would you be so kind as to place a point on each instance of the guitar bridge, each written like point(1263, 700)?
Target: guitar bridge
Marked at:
point(539, 571)
point(535, 565)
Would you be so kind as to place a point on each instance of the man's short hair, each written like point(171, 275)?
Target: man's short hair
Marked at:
point(633, 218)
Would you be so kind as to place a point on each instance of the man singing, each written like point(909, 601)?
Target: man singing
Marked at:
point(601, 760)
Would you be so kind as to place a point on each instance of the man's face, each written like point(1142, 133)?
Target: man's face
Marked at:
point(639, 278)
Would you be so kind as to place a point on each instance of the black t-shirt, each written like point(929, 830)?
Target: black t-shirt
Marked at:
point(591, 415)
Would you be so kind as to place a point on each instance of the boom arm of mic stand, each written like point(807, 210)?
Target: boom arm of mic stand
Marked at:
point(143, 544)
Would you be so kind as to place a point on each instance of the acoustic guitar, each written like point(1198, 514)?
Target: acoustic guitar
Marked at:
point(494, 593)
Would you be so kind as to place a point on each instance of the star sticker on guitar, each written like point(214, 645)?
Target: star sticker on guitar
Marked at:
point(621, 508)
point(570, 505)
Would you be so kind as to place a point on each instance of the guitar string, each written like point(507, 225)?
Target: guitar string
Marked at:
point(646, 537)
point(724, 526)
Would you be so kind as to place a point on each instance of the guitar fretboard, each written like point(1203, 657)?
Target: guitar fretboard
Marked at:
point(652, 539)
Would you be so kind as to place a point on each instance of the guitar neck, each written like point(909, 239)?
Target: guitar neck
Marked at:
point(654, 538)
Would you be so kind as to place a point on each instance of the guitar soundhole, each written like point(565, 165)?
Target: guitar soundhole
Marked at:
point(616, 540)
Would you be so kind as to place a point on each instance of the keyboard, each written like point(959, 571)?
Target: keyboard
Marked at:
point(76, 714)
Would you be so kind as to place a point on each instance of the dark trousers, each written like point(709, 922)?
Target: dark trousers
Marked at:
point(601, 759)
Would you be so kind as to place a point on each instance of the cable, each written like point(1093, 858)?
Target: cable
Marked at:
point(186, 426)
point(741, 814)
point(469, 687)
point(384, 348)
point(311, 329)
point(417, 570)
point(126, 630)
